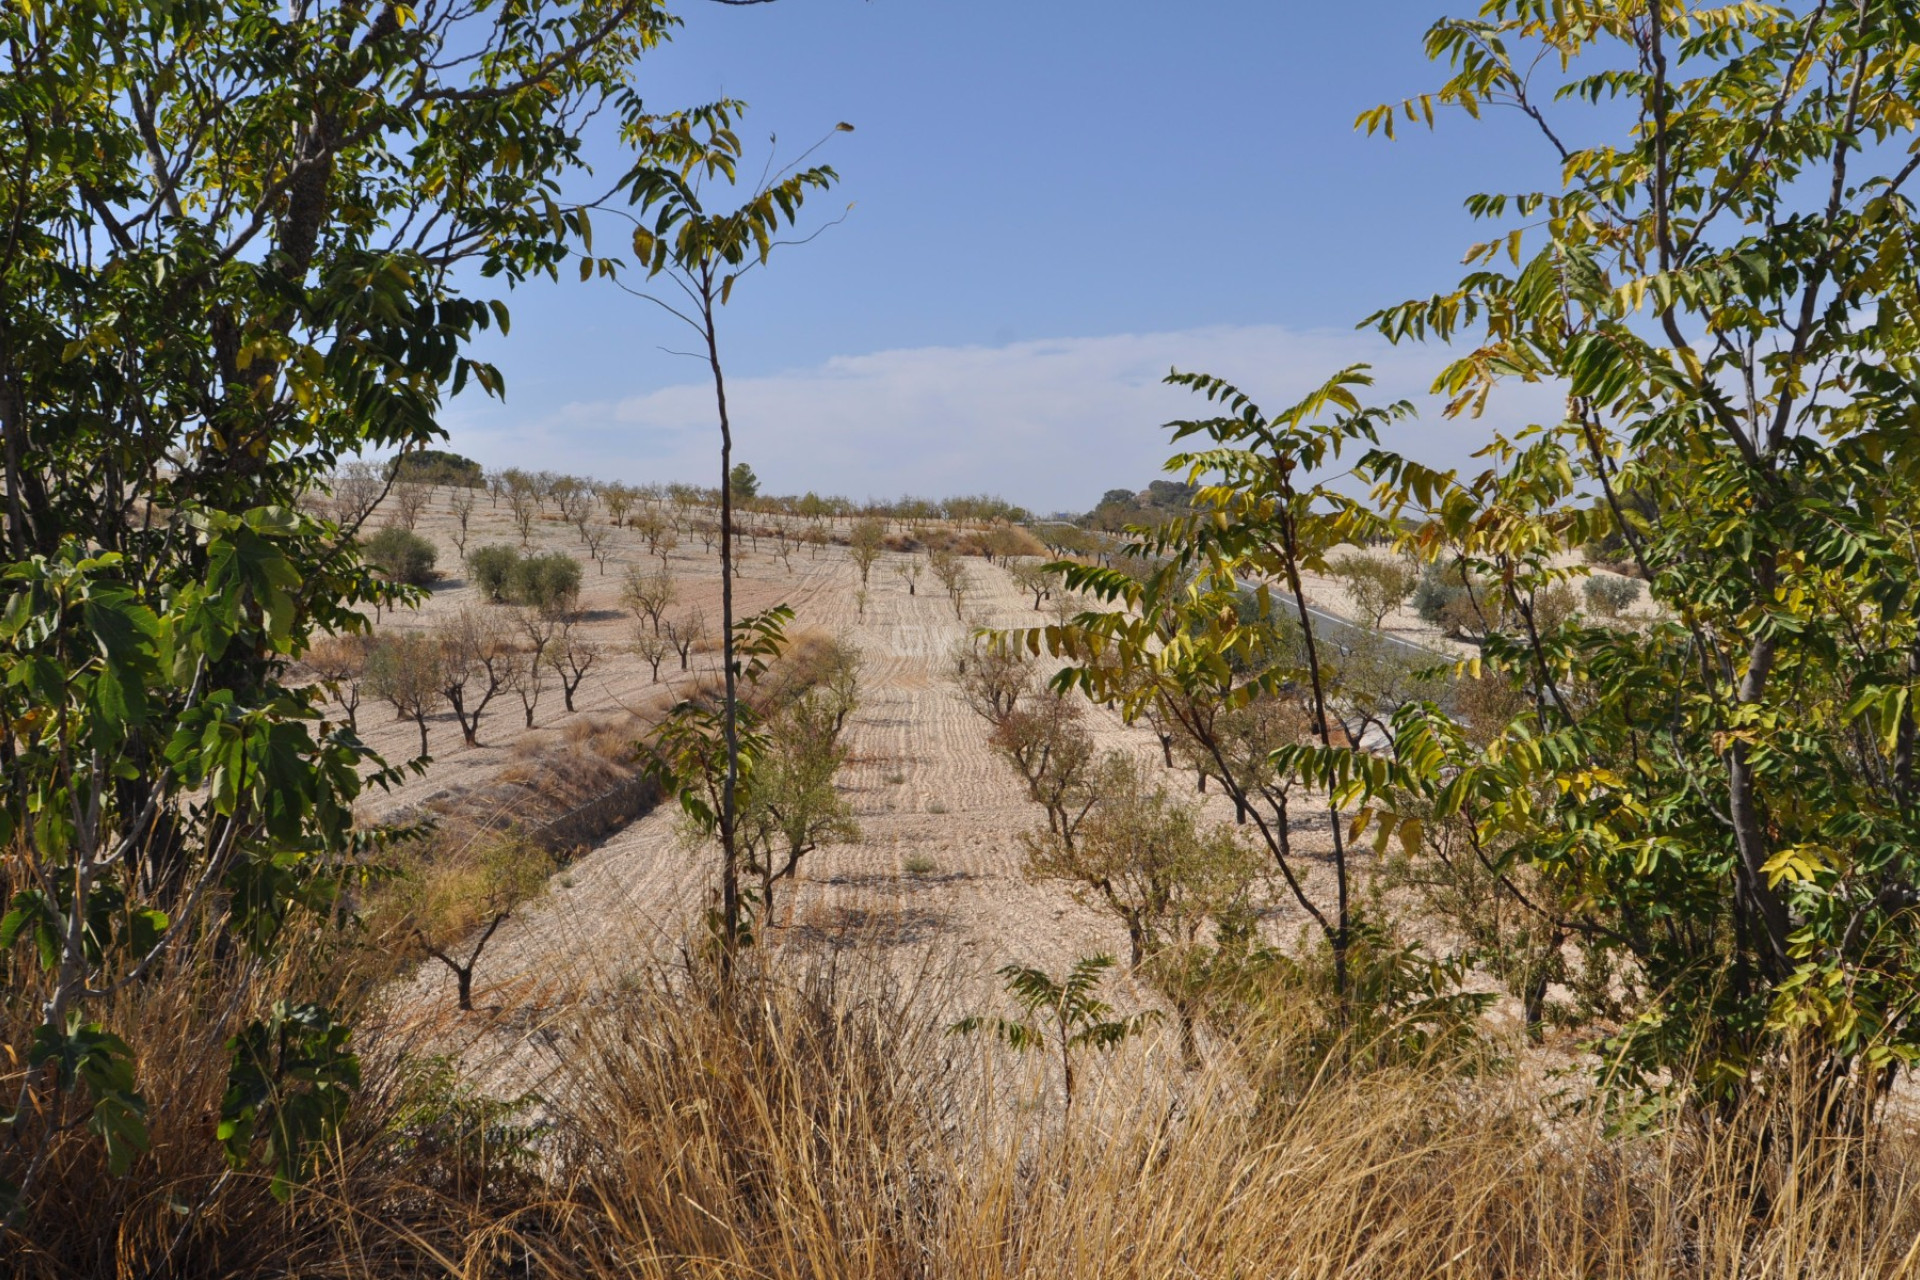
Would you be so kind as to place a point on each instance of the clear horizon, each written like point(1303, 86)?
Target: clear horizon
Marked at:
point(1051, 208)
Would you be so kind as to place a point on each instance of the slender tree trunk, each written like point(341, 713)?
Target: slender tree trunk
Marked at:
point(1323, 726)
point(1748, 827)
point(729, 720)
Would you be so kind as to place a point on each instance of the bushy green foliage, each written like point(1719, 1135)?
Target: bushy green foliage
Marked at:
point(491, 568)
point(402, 555)
point(1610, 595)
point(1726, 796)
point(438, 466)
point(548, 583)
point(213, 289)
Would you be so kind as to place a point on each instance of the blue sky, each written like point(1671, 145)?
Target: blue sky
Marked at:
point(1053, 202)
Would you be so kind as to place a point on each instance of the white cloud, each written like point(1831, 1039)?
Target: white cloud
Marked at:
point(1050, 424)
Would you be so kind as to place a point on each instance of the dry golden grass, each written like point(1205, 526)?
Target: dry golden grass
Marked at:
point(816, 1122)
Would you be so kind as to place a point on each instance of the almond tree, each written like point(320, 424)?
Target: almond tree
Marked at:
point(595, 535)
point(478, 659)
point(648, 595)
point(865, 544)
point(340, 662)
point(686, 633)
point(407, 671)
point(463, 502)
point(571, 656)
point(409, 500)
point(908, 571)
point(538, 628)
point(1176, 636)
point(653, 648)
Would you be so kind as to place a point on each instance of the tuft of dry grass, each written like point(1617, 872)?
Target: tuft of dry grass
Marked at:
point(813, 1120)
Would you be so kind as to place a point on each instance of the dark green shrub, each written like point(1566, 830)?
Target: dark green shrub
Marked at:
point(1437, 589)
point(548, 582)
point(491, 569)
point(402, 555)
point(1610, 595)
point(437, 466)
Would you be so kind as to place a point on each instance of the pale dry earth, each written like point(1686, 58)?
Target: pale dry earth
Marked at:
point(934, 881)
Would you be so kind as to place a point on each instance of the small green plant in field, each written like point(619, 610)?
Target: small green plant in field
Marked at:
point(936, 806)
point(895, 777)
point(1067, 1011)
point(919, 864)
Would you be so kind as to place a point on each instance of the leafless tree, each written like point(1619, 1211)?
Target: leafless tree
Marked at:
point(1031, 575)
point(477, 660)
point(538, 629)
point(357, 490)
point(526, 511)
point(405, 671)
point(652, 646)
point(409, 500)
point(463, 502)
point(648, 595)
point(595, 535)
point(686, 633)
point(571, 655)
point(574, 498)
point(463, 972)
point(340, 662)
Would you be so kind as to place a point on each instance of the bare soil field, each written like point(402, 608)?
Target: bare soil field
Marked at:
point(935, 876)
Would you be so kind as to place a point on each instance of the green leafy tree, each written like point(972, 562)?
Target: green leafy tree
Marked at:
point(402, 555)
point(437, 467)
point(548, 583)
point(745, 484)
point(491, 568)
point(1188, 640)
point(1723, 282)
point(238, 243)
point(792, 805)
point(700, 754)
point(703, 253)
